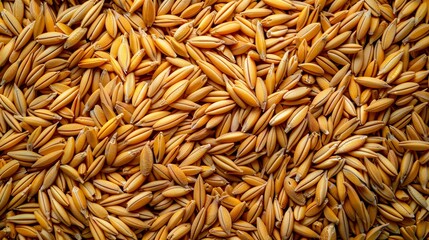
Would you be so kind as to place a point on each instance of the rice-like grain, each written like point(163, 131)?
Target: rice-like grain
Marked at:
point(214, 119)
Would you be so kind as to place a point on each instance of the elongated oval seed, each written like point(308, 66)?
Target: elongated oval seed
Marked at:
point(214, 119)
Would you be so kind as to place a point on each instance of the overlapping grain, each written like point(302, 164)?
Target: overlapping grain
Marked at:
point(214, 119)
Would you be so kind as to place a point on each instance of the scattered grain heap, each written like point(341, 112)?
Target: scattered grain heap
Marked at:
point(214, 119)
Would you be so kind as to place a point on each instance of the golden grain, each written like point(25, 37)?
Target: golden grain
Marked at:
point(214, 119)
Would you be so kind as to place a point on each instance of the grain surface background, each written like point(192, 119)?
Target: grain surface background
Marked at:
point(214, 119)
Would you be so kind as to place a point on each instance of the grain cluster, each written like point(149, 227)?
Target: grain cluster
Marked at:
point(214, 119)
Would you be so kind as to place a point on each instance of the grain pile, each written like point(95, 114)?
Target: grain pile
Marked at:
point(189, 119)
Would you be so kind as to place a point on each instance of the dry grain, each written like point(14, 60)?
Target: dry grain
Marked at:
point(214, 119)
